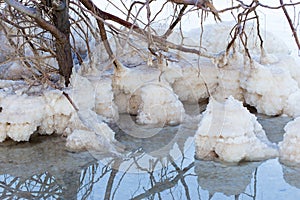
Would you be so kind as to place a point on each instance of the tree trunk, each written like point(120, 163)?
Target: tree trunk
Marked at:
point(63, 47)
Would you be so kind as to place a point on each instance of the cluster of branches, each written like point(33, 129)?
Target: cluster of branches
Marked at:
point(42, 186)
point(45, 27)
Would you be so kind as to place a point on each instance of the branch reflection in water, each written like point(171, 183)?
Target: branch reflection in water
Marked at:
point(159, 167)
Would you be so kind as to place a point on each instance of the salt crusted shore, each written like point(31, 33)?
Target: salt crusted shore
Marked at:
point(156, 92)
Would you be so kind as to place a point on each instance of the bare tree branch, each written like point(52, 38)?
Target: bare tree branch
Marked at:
point(291, 24)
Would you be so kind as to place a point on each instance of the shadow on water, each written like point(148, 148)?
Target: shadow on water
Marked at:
point(159, 167)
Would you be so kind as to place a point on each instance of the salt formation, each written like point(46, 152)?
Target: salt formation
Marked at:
point(229, 132)
point(25, 110)
point(268, 88)
point(291, 64)
point(97, 92)
point(104, 97)
point(196, 81)
point(23, 114)
point(20, 116)
point(90, 132)
point(229, 75)
point(143, 91)
point(126, 81)
point(292, 107)
point(267, 82)
point(96, 136)
point(156, 104)
point(289, 147)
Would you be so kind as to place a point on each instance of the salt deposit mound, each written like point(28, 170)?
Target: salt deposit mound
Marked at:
point(156, 104)
point(268, 88)
point(22, 114)
point(196, 81)
point(26, 109)
point(290, 146)
point(229, 75)
point(229, 132)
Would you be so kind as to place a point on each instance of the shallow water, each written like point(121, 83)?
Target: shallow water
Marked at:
point(159, 166)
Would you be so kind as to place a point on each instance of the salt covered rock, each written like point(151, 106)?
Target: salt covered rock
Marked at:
point(287, 62)
point(82, 87)
point(145, 92)
point(197, 81)
point(126, 81)
point(268, 88)
point(82, 140)
point(100, 139)
point(156, 104)
point(104, 97)
point(228, 77)
point(289, 147)
point(13, 71)
point(292, 108)
point(229, 132)
point(129, 80)
point(58, 112)
point(20, 115)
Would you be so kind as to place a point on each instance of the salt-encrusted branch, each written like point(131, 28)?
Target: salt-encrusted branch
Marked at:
point(178, 19)
point(200, 4)
point(101, 15)
point(291, 24)
point(32, 12)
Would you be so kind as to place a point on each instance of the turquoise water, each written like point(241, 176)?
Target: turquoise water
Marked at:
point(158, 167)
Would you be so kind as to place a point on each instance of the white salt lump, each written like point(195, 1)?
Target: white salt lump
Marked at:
point(20, 116)
point(228, 77)
point(289, 148)
point(198, 79)
point(156, 104)
point(229, 132)
point(268, 88)
point(104, 97)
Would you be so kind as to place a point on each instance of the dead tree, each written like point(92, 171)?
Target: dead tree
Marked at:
point(60, 29)
point(53, 17)
point(63, 47)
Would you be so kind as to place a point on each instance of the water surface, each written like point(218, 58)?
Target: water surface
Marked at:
point(158, 167)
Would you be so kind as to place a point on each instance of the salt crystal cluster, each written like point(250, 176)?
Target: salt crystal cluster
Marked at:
point(229, 132)
point(103, 95)
point(100, 139)
point(58, 113)
point(229, 75)
point(156, 104)
point(25, 109)
point(290, 146)
point(146, 93)
point(21, 114)
point(196, 81)
point(268, 88)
